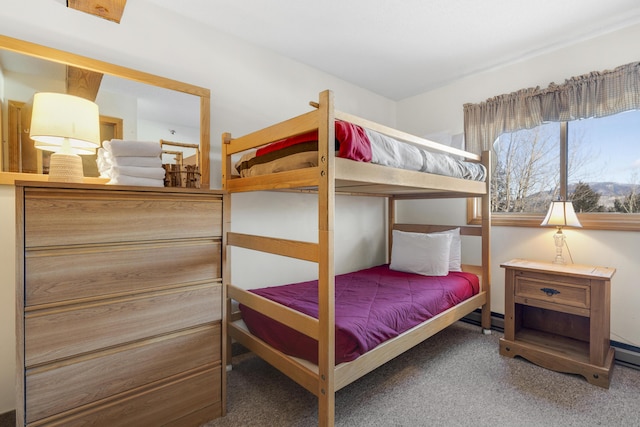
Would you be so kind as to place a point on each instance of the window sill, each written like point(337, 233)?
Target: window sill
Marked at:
point(590, 221)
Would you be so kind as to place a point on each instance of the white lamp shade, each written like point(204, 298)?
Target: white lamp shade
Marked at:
point(59, 119)
point(561, 214)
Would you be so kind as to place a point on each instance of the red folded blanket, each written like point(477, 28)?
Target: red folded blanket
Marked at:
point(352, 140)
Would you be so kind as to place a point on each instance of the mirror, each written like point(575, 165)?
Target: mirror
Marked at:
point(133, 105)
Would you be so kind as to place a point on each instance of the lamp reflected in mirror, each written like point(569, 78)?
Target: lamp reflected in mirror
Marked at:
point(561, 214)
point(68, 126)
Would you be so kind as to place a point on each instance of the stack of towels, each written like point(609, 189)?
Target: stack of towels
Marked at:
point(131, 163)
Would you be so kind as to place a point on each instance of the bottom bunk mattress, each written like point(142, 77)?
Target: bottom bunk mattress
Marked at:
point(371, 306)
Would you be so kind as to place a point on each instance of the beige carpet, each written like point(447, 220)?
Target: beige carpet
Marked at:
point(456, 378)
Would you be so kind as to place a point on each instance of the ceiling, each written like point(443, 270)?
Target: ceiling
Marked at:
point(403, 48)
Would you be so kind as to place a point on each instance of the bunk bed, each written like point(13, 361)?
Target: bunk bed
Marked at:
point(327, 175)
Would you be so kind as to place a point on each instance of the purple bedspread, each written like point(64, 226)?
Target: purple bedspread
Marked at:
point(372, 306)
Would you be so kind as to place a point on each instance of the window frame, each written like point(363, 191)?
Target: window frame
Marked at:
point(592, 221)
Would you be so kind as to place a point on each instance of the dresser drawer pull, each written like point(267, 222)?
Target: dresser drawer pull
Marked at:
point(550, 291)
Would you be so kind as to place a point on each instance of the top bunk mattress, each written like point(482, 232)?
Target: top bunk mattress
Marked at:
point(371, 306)
point(355, 143)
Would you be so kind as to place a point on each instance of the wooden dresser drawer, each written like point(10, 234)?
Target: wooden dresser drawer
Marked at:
point(571, 292)
point(75, 217)
point(110, 372)
point(70, 331)
point(55, 275)
point(176, 403)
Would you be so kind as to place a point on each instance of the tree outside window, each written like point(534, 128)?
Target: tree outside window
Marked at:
point(526, 172)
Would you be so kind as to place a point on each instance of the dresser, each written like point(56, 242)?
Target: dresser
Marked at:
point(558, 317)
point(119, 307)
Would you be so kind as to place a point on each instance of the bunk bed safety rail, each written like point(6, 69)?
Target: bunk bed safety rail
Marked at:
point(299, 371)
point(294, 319)
point(305, 251)
point(295, 126)
point(298, 178)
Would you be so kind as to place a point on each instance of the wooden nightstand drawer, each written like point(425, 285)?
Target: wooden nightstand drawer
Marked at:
point(571, 292)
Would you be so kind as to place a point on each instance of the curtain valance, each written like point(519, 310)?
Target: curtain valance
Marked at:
point(596, 94)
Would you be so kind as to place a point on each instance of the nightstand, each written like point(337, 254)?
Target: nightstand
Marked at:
point(557, 316)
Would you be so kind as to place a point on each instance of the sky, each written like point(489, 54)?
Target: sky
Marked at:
point(614, 144)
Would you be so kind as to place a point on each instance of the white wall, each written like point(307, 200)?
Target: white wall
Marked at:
point(359, 242)
point(250, 88)
point(121, 106)
point(7, 298)
point(441, 110)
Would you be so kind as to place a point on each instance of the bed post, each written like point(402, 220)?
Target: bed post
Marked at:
point(391, 220)
point(326, 274)
point(226, 301)
point(486, 245)
point(226, 160)
point(227, 309)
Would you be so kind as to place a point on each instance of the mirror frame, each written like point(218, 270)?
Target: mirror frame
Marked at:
point(66, 58)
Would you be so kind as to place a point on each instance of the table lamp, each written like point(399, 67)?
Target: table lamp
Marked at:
point(560, 214)
point(68, 126)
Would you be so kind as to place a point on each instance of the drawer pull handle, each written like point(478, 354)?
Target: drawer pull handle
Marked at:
point(550, 291)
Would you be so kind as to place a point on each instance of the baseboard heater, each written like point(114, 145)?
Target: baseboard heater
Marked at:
point(626, 355)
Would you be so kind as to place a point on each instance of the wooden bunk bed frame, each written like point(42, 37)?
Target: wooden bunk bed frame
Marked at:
point(341, 176)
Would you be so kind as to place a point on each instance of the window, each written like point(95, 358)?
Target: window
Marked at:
point(593, 162)
point(596, 142)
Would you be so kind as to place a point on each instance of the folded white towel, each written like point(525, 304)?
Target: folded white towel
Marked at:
point(137, 171)
point(103, 163)
point(119, 147)
point(147, 162)
point(106, 157)
point(137, 181)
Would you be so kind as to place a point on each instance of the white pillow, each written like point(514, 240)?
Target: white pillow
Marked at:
point(419, 253)
point(455, 256)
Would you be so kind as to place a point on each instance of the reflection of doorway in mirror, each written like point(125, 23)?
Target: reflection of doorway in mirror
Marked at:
point(23, 157)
